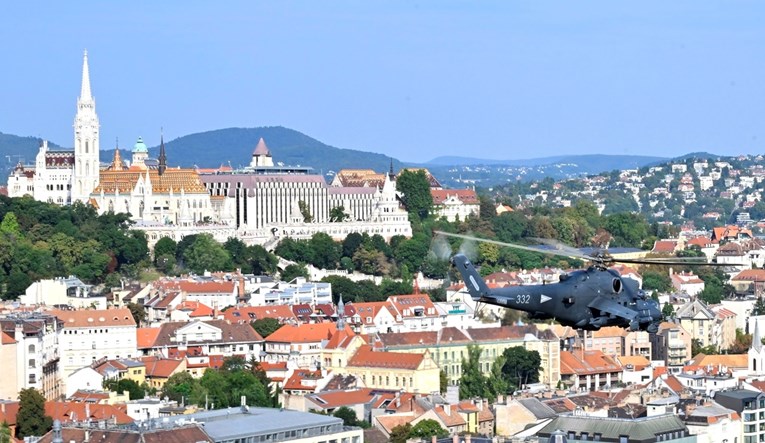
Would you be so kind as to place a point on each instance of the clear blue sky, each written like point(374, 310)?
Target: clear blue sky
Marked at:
point(415, 80)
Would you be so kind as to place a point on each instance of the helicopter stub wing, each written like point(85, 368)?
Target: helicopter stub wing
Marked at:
point(612, 308)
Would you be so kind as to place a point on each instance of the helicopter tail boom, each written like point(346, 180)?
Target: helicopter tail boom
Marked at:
point(473, 281)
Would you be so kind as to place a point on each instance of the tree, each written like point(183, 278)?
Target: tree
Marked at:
point(292, 272)
point(511, 226)
point(5, 433)
point(428, 428)
point(305, 211)
point(348, 415)
point(10, 226)
point(415, 190)
point(139, 313)
point(337, 214)
point(472, 381)
point(668, 311)
point(164, 246)
point(656, 281)
point(324, 252)
point(265, 326)
point(400, 433)
point(135, 391)
point(443, 381)
point(759, 307)
point(31, 419)
point(521, 367)
point(206, 254)
point(352, 243)
point(181, 386)
point(261, 261)
point(496, 384)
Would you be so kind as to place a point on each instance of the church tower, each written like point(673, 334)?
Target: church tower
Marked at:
point(757, 350)
point(86, 146)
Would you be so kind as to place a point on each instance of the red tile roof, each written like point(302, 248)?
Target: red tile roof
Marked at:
point(664, 246)
point(336, 399)
point(145, 337)
point(197, 287)
point(756, 275)
point(160, 367)
point(302, 380)
point(594, 362)
point(366, 357)
point(89, 318)
point(69, 411)
point(306, 333)
point(466, 196)
point(674, 384)
point(8, 411)
point(248, 314)
point(6, 339)
point(85, 396)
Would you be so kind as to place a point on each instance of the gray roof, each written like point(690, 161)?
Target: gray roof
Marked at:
point(739, 394)
point(234, 423)
point(536, 407)
point(638, 429)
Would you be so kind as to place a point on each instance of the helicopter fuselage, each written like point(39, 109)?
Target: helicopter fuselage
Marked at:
point(585, 299)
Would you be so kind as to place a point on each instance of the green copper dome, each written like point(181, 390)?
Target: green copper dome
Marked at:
point(139, 146)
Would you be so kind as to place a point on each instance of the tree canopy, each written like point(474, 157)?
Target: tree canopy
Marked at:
point(41, 241)
point(31, 419)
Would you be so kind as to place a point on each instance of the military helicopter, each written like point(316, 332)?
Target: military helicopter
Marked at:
point(587, 299)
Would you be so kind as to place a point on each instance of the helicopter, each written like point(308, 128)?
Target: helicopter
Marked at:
point(586, 299)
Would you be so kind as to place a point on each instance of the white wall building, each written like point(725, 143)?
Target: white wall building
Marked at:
point(90, 335)
point(69, 291)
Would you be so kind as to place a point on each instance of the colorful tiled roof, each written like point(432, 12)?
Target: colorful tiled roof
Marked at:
point(306, 333)
point(89, 318)
point(366, 357)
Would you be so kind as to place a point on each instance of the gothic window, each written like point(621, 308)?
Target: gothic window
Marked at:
point(140, 209)
point(86, 146)
point(111, 206)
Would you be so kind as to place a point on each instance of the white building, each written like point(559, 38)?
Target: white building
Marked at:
point(295, 292)
point(35, 362)
point(67, 291)
point(64, 177)
point(90, 335)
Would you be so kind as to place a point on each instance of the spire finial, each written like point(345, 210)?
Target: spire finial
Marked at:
point(162, 155)
point(85, 94)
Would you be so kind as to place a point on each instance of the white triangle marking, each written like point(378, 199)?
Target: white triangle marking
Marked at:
point(543, 298)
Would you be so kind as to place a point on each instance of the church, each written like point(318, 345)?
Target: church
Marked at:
point(146, 188)
point(259, 204)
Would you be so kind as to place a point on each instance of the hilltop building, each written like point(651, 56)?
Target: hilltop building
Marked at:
point(259, 203)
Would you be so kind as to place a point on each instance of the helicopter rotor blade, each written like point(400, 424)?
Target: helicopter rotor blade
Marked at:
point(562, 250)
point(554, 251)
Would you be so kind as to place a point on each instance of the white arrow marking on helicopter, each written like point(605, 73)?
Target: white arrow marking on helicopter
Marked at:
point(475, 284)
point(543, 298)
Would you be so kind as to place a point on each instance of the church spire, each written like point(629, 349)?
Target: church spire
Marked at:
point(162, 156)
point(85, 94)
point(340, 315)
point(756, 338)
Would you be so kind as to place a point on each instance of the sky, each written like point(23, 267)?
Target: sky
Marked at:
point(411, 79)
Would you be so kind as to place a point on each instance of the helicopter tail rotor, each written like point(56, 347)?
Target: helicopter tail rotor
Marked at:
point(473, 281)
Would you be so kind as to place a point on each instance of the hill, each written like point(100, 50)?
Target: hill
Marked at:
point(14, 149)
point(235, 145)
point(593, 163)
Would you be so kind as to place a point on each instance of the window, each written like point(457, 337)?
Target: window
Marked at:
point(624, 439)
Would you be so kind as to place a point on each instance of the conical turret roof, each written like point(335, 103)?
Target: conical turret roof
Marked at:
point(262, 149)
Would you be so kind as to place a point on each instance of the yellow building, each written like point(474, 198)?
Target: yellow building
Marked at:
point(450, 345)
point(158, 370)
point(410, 372)
point(123, 368)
